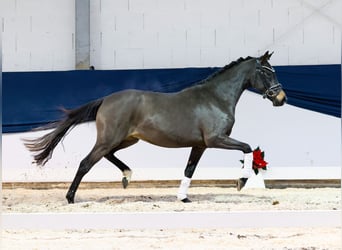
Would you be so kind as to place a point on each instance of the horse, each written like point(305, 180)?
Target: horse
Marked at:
point(200, 117)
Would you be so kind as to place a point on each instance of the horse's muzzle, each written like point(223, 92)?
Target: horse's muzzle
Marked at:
point(280, 99)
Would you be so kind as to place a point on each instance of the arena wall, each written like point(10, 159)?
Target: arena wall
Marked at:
point(298, 144)
point(134, 34)
point(126, 34)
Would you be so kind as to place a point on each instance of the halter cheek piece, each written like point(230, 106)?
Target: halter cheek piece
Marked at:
point(272, 91)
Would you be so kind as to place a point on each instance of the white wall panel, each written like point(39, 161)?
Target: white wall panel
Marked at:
point(38, 35)
point(127, 21)
point(129, 58)
point(142, 5)
point(164, 57)
point(229, 28)
point(136, 34)
point(189, 57)
point(176, 39)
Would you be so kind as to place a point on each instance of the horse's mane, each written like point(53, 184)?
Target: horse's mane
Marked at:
point(225, 68)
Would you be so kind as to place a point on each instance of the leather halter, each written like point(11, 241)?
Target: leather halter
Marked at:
point(271, 91)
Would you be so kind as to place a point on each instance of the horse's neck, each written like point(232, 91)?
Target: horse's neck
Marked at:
point(229, 86)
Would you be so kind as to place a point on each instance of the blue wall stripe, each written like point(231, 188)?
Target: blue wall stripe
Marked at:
point(32, 99)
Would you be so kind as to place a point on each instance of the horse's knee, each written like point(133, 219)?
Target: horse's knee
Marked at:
point(246, 149)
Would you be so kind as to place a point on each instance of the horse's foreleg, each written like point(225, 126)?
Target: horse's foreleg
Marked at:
point(194, 158)
point(226, 142)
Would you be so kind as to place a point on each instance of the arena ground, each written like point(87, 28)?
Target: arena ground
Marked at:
point(132, 200)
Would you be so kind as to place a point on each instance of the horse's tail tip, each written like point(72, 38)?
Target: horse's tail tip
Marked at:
point(29, 144)
point(39, 162)
point(34, 162)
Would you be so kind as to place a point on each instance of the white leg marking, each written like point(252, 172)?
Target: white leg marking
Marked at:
point(127, 174)
point(183, 188)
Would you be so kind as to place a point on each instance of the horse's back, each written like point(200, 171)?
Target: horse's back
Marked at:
point(129, 101)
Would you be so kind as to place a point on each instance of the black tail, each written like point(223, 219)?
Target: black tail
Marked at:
point(44, 146)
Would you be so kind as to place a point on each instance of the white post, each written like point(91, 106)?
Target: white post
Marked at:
point(247, 170)
point(82, 33)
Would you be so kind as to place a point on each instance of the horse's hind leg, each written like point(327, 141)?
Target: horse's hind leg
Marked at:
point(126, 171)
point(86, 164)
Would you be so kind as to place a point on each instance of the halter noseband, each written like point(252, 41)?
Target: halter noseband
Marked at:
point(273, 90)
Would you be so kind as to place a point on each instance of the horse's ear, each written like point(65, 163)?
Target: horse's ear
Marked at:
point(266, 57)
point(269, 55)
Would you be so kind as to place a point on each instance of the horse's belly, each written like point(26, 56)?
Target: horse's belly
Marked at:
point(161, 122)
point(169, 139)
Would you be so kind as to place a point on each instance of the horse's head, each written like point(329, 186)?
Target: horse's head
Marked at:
point(266, 81)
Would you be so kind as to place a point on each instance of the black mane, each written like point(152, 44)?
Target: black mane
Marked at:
point(223, 69)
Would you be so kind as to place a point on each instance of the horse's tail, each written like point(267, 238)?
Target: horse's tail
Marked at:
point(44, 146)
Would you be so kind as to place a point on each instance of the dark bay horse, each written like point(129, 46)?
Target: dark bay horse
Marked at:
point(200, 117)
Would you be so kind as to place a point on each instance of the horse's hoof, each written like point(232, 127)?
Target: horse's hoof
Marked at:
point(186, 200)
point(70, 200)
point(241, 183)
point(124, 182)
point(70, 196)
